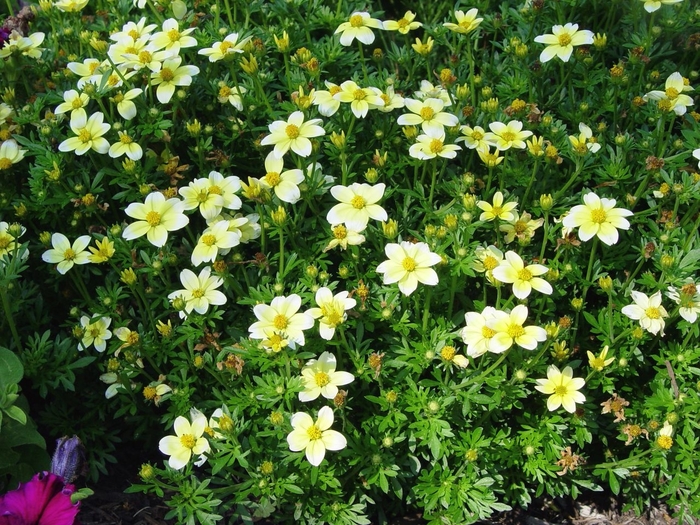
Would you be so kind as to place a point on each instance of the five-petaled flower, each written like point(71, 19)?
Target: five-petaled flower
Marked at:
point(562, 41)
point(404, 24)
point(64, 254)
point(172, 75)
point(281, 319)
point(598, 363)
point(358, 204)
point(321, 378)
point(648, 311)
point(466, 22)
point(506, 136)
point(497, 210)
point(597, 217)
point(95, 333)
point(524, 278)
point(10, 153)
point(156, 217)
point(361, 99)
point(315, 438)
point(673, 92)
point(331, 310)
point(429, 114)
point(200, 291)
point(88, 133)
point(358, 27)
point(563, 389)
point(409, 264)
point(688, 299)
point(293, 134)
point(188, 440)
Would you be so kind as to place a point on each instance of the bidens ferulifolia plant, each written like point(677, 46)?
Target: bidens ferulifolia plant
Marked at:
point(333, 263)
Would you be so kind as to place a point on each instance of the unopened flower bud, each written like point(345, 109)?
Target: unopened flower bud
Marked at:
point(390, 229)
point(546, 202)
point(147, 472)
point(68, 459)
point(605, 283)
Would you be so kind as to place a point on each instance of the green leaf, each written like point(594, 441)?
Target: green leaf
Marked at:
point(17, 414)
point(11, 369)
point(614, 483)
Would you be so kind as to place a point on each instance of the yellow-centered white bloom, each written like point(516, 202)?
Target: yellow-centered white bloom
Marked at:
point(674, 92)
point(315, 438)
point(64, 254)
point(648, 311)
point(358, 204)
point(27, 45)
point(170, 76)
point(428, 113)
point(506, 136)
point(213, 240)
point(403, 25)
point(466, 22)
point(284, 183)
point(409, 264)
point(522, 227)
point(72, 100)
point(325, 100)
point(331, 311)
point(358, 27)
point(8, 241)
point(70, 6)
point(509, 329)
point(562, 388)
point(155, 218)
point(524, 278)
point(490, 159)
point(584, 142)
point(343, 236)
point(149, 57)
point(428, 90)
point(450, 355)
point(478, 335)
point(212, 194)
point(598, 216)
point(487, 259)
point(654, 5)
point(497, 210)
point(134, 30)
point(188, 440)
point(200, 291)
point(90, 71)
point(696, 154)
point(321, 379)
point(126, 146)
point(562, 41)
point(10, 153)
point(598, 363)
point(688, 299)
point(229, 46)
point(125, 106)
point(281, 317)
point(128, 47)
point(474, 138)
point(95, 333)
point(88, 133)
point(431, 145)
point(361, 99)
point(172, 38)
point(232, 95)
point(293, 134)
point(392, 100)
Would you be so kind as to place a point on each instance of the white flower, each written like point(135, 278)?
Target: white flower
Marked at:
point(584, 142)
point(466, 22)
point(95, 333)
point(200, 291)
point(688, 298)
point(64, 254)
point(428, 90)
point(696, 154)
point(331, 310)
point(361, 99)
point(654, 5)
point(674, 88)
point(473, 138)
point(212, 194)
point(325, 100)
point(343, 236)
point(10, 153)
point(478, 335)
point(563, 389)
point(358, 27)
point(408, 265)
point(524, 278)
point(598, 216)
point(321, 379)
point(431, 145)
point(188, 440)
point(170, 76)
point(497, 210)
point(562, 41)
point(506, 136)
point(126, 146)
point(281, 318)
point(315, 438)
point(72, 101)
point(220, 50)
point(172, 38)
point(509, 329)
point(88, 133)
point(156, 217)
point(648, 311)
point(284, 183)
point(125, 106)
point(428, 113)
point(214, 239)
point(293, 134)
point(358, 204)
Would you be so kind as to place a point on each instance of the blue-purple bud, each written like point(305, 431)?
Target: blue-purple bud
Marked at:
point(68, 459)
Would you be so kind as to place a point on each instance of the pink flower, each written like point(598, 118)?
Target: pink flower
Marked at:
point(45, 500)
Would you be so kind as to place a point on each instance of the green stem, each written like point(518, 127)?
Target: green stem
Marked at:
point(10, 319)
point(281, 251)
point(572, 179)
point(532, 180)
point(362, 61)
point(486, 372)
point(426, 309)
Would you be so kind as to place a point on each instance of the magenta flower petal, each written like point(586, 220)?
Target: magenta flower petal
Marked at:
point(44, 500)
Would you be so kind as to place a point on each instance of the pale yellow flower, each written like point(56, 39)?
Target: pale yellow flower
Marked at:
point(293, 134)
point(506, 136)
point(654, 5)
point(361, 99)
point(188, 440)
point(428, 113)
point(229, 46)
point(497, 210)
point(331, 311)
point(321, 378)
point(598, 363)
point(409, 264)
point(64, 254)
point(648, 311)
point(524, 278)
point(474, 138)
point(155, 218)
point(95, 333)
point(562, 41)
point(200, 291)
point(562, 388)
point(466, 22)
point(404, 24)
point(315, 438)
point(673, 92)
point(358, 27)
point(88, 133)
point(358, 204)
point(10, 153)
point(281, 317)
point(598, 216)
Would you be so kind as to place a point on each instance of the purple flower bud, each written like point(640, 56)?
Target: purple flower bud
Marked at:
point(68, 459)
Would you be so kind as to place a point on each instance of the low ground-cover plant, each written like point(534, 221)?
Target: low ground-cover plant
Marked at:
point(338, 261)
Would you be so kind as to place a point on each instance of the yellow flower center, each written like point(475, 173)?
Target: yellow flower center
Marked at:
point(671, 92)
point(292, 131)
point(385, 98)
point(561, 390)
point(174, 35)
point(85, 136)
point(508, 136)
point(215, 190)
point(564, 39)
point(153, 218)
point(322, 379)
point(334, 90)
point(427, 113)
point(118, 98)
point(359, 94)
point(520, 226)
point(598, 216)
point(664, 442)
point(598, 363)
point(209, 239)
point(358, 202)
point(490, 262)
point(113, 80)
point(134, 34)
point(402, 23)
point(340, 232)
point(130, 50)
point(145, 57)
point(332, 317)
point(652, 313)
point(92, 67)
point(436, 146)
point(448, 353)
point(69, 254)
point(198, 293)
point(225, 92)
point(125, 139)
point(188, 441)
point(225, 46)
point(356, 21)
point(524, 274)
point(94, 332)
point(314, 433)
point(515, 331)
point(5, 163)
point(465, 24)
point(477, 135)
point(132, 338)
point(496, 210)
point(409, 264)
point(77, 103)
point(150, 392)
point(5, 241)
point(166, 74)
point(202, 196)
point(281, 322)
point(273, 178)
point(487, 332)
